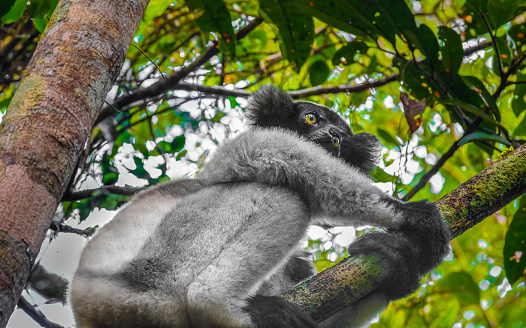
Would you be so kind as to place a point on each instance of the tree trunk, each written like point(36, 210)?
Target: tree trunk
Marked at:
point(49, 122)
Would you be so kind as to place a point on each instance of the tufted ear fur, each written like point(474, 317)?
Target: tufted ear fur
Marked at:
point(270, 107)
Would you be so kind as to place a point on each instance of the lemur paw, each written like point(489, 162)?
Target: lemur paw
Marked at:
point(396, 253)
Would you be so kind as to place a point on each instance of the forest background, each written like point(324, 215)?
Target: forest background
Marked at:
point(441, 83)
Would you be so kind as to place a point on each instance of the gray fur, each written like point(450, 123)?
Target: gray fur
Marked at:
point(215, 252)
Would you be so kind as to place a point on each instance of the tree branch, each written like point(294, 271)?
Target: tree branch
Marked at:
point(67, 229)
point(36, 314)
point(318, 90)
point(221, 91)
point(315, 91)
point(485, 193)
point(171, 81)
point(105, 190)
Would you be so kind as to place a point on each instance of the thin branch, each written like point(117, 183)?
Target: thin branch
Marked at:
point(220, 91)
point(36, 314)
point(78, 195)
point(318, 90)
point(343, 88)
point(151, 61)
point(494, 42)
point(434, 170)
point(67, 229)
point(171, 81)
point(516, 82)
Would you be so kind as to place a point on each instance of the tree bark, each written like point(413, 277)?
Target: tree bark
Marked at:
point(353, 278)
point(49, 121)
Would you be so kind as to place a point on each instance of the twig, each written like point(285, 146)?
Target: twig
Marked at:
point(78, 195)
point(36, 314)
point(171, 81)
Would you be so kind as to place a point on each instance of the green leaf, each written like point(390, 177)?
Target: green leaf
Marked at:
point(155, 9)
point(165, 44)
point(518, 104)
point(110, 178)
point(343, 15)
point(451, 49)
point(318, 72)
point(394, 17)
point(164, 145)
point(345, 54)
point(415, 83)
point(473, 110)
point(482, 4)
point(520, 130)
point(15, 13)
point(84, 207)
point(260, 36)
point(140, 171)
point(429, 46)
point(111, 201)
point(218, 116)
point(462, 286)
point(371, 68)
point(4, 104)
point(500, 11)
point(5, 6)
point(233, 102)
point(40, 23)
point(505, 53)
point(39, 8)
point(215, 17)
point(483, 136)
point(379, 175)
point(480, 88)
point(472, 17)
point(54, 4)
point(518, 34)
point(295, 29)
point(181, 155)
point(387, 137)
point(515, 245)
point(178, 143)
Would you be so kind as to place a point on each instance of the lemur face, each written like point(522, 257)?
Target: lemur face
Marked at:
point(272, 108)
point(323, 126)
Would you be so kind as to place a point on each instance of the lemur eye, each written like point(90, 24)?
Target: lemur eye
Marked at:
point(311, 118)
point(335, 142)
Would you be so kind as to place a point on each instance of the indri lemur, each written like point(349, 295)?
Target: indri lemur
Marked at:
point(219, 251)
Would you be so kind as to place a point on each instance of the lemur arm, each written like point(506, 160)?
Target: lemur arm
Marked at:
point(329, 186)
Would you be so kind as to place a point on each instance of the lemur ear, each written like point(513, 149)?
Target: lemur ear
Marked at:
point(363, 151)
point(269, 107)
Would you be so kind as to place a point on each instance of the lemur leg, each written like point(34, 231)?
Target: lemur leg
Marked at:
point(225, 291)
point(97, 296)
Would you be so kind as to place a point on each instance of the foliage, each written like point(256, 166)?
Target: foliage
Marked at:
point(373, 61)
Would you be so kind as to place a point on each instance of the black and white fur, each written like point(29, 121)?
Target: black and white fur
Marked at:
point(219, 251)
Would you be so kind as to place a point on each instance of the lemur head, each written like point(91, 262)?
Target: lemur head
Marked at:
point(270, 107)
